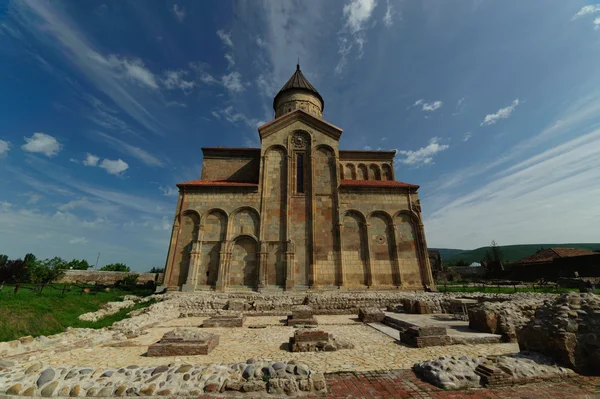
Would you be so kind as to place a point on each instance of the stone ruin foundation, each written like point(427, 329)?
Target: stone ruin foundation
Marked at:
point(567, 330)
point(370, 315)
point(422, 337)
point(233, 320)
point(302, 315)
point(184, 342)
point(309, 340)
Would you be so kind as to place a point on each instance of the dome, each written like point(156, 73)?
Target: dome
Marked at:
point(298, 93)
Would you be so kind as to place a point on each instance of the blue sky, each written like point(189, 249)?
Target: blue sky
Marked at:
point(493, 106)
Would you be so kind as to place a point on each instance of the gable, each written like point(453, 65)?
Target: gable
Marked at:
point(310, 121)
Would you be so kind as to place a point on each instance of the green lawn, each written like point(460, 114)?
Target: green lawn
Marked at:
point(30, 313)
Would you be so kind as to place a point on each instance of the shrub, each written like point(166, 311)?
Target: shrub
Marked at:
point(128, 281)
point(14, 271)
point(116, 267)
point(46, 271)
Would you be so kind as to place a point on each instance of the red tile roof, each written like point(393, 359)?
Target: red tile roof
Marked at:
point(376, 183)
point(216, 183)
point(549, 254)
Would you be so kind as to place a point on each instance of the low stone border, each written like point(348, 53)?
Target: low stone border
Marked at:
point(276, 378)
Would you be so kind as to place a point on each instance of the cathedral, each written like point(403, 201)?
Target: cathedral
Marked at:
point(297, 213)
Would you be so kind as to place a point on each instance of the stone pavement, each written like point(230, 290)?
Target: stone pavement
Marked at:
point(404, 384)
point(373, 350)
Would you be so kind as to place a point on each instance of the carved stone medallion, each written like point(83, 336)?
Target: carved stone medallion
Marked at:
point(299, 141)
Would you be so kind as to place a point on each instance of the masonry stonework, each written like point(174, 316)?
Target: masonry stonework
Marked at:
point(297, 213)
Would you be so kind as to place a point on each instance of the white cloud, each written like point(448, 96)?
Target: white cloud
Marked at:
point(597, 23)
point(432, 106)
point(136, 152)
point(91, 160)
point(114, 167)
point(230, 60)
point(179, 12)
point(389, 14)
point(4, 147)
point(357, 13)
point(585, 10)
point(132, 69)
point(225, 38)
point(78, 240)
point(260, 42)
point(233, 82)
point(175, 80)
point(169, 191)
point(467, 136)
point(424, 155)
point(216, 114)
point(502, 113)
point(42, 143)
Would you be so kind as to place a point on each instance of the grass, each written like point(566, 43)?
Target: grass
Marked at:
point(30, 313)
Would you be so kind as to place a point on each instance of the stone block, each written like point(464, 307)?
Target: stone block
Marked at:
point(422, 337)
point(229, 321)
point(236, 305)
point(310, 335)
point(302, 312)
point(184, 342)
point(370, 315)
point(305, 322)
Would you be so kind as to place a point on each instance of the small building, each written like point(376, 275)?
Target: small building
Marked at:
point(553, 263)
point(475, 264)
point(547, 256)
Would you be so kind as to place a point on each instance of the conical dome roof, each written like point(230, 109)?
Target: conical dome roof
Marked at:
point(299, 82)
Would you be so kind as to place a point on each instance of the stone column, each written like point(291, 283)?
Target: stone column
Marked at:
point(223, 274)
point(368, 255)
point(340, 256)
point(396, 258)
point(192, 277)
point(290, 282)
point(262, 266)
point(426, 267)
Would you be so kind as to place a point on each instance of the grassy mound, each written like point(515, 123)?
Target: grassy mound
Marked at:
point(31, 313)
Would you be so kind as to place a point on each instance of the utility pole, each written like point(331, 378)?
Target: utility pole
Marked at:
point(96, 266)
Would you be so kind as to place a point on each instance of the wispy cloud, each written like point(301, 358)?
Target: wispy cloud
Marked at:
point(357, 14)
point(112, 75)
point(502, 113)
point(226, 39)
point(430, 107)
point(175, 80)
point(168, 191)
point(388, 20)
point(42, 143)
point(78, 240)
point(136, 152)
point(588, 10)
point(231, 115)
point(179, 12)
point(424, 155)
point(531, 193)
point(467, 136)
point(4, 147)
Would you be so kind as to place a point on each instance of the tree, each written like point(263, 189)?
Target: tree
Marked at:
point(157, 270)
point(76, 264)
point(494, 253)
point(3, 259)
point(48, 270)
point(29, 259)
point(116, 267)
point(13, 271)
point(461, 262)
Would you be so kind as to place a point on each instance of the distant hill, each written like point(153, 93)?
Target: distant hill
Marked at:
point(511, 252)
point(448, 252)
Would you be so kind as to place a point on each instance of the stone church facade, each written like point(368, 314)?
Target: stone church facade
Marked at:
point(297, 213)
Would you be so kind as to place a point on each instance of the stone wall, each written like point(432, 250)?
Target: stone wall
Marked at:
point(108, 278)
